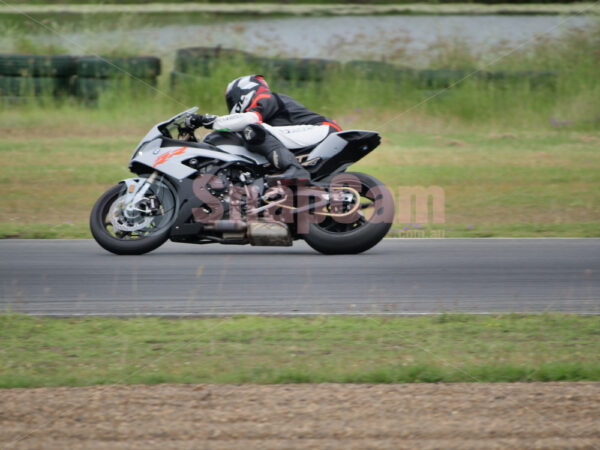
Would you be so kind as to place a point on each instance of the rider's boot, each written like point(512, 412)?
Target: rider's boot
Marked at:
point(284, 160)
point(277, 154)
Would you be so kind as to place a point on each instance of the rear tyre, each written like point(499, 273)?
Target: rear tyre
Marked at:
point(150, 233)
point(334, 238)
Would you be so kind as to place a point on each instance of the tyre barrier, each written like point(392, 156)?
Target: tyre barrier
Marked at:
point(539, 78)
point(200, 60)
point(91, 88)
point(33, 86)
point(35, 75)
point(299, 69)
point(98, 74)
point(371, 69)
point(87, 76)
point(203, 61)
point(99, 67)
point(444, 78)
point(58, 66)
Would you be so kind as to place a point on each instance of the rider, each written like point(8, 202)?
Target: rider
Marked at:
point(272, 124)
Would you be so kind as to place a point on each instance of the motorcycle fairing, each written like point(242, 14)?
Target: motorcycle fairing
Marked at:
point(340, 150)
point(330, 149)
point(234, 144)
point(243, 151)
point(159, 151)
point(159, 130)
point(169, 159)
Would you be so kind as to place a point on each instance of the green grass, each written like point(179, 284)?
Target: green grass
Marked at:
point(56, 352)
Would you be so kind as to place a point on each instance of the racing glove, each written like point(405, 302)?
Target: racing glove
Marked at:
point(194, 121)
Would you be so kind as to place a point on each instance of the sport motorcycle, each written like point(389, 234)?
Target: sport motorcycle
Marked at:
point(216, 191)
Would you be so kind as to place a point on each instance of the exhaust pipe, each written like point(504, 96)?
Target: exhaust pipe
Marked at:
point(273, 234)
point(227, 226)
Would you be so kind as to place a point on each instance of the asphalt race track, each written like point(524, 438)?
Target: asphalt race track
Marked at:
point(399, 276)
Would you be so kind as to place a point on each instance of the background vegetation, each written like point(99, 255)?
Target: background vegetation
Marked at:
point(515, 157)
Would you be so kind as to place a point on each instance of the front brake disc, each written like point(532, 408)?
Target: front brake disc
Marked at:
point(120, 222)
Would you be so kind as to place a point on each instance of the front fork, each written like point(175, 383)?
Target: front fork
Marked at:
point(136, 191)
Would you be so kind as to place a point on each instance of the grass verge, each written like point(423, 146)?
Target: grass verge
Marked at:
point(37, 351)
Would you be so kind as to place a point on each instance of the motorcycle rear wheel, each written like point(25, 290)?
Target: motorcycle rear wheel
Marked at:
point(335, 238)
point(148, 238)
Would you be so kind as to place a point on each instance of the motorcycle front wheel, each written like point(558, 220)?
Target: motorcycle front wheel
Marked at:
point(134, 232)
point(373, 221)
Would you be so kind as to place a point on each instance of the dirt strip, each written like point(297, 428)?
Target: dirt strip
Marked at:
point(424, 416)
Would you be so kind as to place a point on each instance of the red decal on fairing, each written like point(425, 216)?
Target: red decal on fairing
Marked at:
point(165, 157)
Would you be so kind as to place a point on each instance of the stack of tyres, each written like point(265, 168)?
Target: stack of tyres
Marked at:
point(200, 60)
point(35, 75)
point(300, 69)
point(372, 70)
point(119, 75)
point(194, 63)
point(534, 78)
point(434, 80)
point(440, 78)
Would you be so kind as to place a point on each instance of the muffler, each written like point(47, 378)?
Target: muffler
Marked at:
point(227, 226)
point(274, 234)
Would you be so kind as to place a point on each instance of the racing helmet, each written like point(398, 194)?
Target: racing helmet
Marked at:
point(240, 92)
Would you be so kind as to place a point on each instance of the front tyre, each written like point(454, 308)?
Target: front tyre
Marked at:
point(123, 232)
point(366, 229)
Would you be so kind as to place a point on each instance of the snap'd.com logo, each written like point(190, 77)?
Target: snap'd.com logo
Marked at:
point(345, 200)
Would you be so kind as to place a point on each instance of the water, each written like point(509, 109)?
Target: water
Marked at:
point(397, 38)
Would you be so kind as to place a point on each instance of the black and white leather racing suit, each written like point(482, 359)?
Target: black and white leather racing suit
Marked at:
point(273, 124)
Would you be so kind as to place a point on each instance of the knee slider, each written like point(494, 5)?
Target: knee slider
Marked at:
point(254, 134)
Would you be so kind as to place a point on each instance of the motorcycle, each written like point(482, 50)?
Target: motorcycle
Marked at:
point(217, 191)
